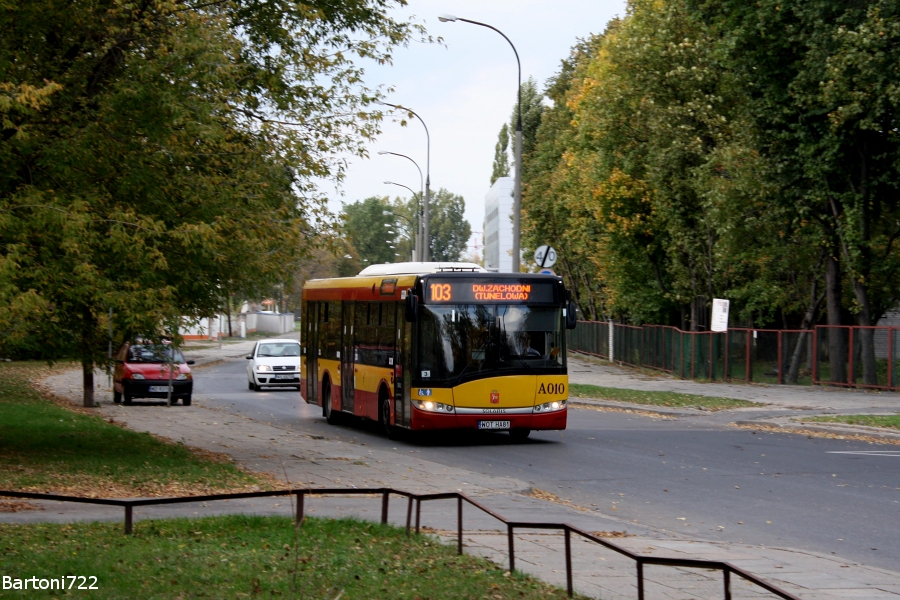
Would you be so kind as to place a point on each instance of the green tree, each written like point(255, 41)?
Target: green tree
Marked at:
point(501, 156)
point(450, 232)
point(155, 157)
point(368, 230)
point(823, 96)
point(532, 109)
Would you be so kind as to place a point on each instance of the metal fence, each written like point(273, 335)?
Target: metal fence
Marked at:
point(819, 356)
point(301, 495)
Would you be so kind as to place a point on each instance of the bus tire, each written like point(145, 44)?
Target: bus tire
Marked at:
point(126, 397)
point(384, 415)
point(519, 434)
point(117, 397)
point(332, 416)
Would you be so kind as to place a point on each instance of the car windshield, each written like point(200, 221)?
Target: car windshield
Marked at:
point(279, 349)
point(458, 342)
point(152, 353)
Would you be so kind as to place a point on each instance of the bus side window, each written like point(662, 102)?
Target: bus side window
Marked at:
point(359, 332)
point(387, 337)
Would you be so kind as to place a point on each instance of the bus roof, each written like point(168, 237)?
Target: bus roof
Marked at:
point(387, 282)
point(420, 268)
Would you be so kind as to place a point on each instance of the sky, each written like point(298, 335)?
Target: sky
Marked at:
point(465, 90)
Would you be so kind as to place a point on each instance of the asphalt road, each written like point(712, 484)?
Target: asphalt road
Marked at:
point(692, 476)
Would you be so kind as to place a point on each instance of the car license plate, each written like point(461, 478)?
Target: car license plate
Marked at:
point(158, 388)
point(493, 424)
point(284, 377)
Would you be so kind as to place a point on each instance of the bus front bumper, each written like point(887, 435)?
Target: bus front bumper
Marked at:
point(424, 420)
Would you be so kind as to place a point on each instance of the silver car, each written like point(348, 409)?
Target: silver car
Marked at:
point(274, 363)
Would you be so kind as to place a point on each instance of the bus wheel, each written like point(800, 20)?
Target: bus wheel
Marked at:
point(519, 434)
point(392, 432)
point(331, 415)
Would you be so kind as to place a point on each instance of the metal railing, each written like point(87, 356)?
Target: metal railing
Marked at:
point(818, 356)
point(727, 569)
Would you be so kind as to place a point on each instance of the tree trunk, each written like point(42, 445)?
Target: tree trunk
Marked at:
point(87, 357)
point(866, 336)
point(808, 319)
point(837, 344)
point(228, 315)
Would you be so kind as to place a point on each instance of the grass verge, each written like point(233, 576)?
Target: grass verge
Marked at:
point(46, 446)
point(667, 399)
point(243, 556)
point(886, 421)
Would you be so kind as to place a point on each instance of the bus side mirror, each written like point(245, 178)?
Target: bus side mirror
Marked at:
point(412, 307)
point(571, 317)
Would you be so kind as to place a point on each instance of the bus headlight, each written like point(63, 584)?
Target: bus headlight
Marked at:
point(550, 406)
point(433, 406)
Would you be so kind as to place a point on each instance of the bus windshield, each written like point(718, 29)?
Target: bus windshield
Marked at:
point(464, 341)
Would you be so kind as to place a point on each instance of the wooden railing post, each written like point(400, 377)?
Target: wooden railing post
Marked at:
point(384, 507)
point(727, 584)
point(128, 519)
point(569, 562)
point(301, 496)
point(512, 550)
point(459, 525)
point(409, 514)
point(640, 579)
point(418, 514)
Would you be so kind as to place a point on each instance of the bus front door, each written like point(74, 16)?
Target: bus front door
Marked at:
point(347, 359)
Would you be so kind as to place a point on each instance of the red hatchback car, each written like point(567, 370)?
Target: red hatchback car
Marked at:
point(142, 371)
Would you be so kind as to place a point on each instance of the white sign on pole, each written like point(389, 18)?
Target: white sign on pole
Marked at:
point(719, 315)
point(545, 256)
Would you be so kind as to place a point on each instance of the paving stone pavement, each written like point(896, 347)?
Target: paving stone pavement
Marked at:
point(309, 459)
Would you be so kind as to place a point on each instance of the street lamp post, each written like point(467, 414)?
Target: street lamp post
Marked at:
point(418, 226)
point(517, 190)
point(416, 250)
point(425, 220)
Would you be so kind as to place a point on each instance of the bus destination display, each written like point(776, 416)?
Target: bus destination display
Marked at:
point(479, 292)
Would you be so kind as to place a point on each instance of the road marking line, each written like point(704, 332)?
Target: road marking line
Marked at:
point(868, 452)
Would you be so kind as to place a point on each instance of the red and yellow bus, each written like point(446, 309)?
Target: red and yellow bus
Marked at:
point(423, 346)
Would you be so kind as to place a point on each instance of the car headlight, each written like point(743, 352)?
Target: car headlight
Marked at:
point(550, 406)
point(183, 376)
point(263, 368)
point(137, 376)
point(433, 406)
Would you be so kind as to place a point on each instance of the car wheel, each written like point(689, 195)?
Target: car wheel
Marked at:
point(250, 386)
point(117, 397)
point(127, 398)
point(332, 416)
point(519, 434)
point(186, 400)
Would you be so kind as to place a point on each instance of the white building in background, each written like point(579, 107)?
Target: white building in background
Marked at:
point(498, 227)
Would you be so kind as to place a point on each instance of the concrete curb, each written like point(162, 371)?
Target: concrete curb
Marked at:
point(644, 408)
point(801, 426)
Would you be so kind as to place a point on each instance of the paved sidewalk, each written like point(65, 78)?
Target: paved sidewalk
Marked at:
point(319, 456)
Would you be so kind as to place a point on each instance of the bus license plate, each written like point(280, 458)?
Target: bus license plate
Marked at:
point(284, 377)
point(493, 424)
point(158, 389)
